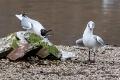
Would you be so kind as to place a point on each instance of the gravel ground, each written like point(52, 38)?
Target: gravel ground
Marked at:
point(106, 67)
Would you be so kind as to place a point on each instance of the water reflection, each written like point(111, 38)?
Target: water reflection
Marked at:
point(67, 18)
point(109, 5)
point(111, 20)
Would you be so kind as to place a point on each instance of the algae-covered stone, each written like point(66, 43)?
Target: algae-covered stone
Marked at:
point(46, 47)
point(5, 45)
point(50, 48)
point(34, 41)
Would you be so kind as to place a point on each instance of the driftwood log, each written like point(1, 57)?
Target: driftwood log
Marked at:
point(19, 44)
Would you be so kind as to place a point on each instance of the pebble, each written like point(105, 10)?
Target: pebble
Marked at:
point(107, 66)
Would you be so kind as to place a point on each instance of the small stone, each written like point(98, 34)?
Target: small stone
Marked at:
point(18, 53)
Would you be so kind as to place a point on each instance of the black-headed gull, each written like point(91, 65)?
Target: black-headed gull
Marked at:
point(32, 25)
point(89, 40)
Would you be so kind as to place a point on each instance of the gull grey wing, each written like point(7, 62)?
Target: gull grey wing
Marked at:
point(99, 40)
point(79, 42)
point(26, 24)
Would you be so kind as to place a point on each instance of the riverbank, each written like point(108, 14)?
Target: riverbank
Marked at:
point(106, 67)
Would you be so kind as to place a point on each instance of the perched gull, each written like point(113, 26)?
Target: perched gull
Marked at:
point(89, 40)
point(33, 25)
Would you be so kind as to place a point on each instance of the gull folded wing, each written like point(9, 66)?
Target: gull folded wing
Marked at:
point(99, 40)
point(26, 25)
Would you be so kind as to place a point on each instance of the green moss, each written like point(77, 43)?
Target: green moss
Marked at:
point(43, 44)
point(14, 40)
point(33, 38)
point(52, 49)
point(10, 38)
point(14, 44)
point(13, 35)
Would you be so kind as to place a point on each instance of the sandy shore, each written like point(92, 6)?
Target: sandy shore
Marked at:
point(106, 67)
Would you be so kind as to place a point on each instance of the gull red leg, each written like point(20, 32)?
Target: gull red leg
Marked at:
point(89, 56)
point(94, 56)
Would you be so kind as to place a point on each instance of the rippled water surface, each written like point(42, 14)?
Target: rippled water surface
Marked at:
point(67, 18)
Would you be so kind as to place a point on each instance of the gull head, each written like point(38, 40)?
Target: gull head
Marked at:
point(91, 25)
point(23, 14)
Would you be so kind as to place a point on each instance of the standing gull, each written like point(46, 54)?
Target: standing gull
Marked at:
point(33, 25)
point(89, 40)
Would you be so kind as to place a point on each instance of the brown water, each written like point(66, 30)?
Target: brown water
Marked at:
point(67, 18)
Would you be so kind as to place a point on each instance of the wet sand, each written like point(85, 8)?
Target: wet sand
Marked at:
point(106, 67)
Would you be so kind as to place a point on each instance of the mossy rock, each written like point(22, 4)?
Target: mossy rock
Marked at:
point(37, 41)
point(13, 41)
point(50, 48)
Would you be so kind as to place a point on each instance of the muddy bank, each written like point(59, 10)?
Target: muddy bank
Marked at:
point(106, 67)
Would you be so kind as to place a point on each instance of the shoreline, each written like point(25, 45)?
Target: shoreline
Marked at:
point(106, 67)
